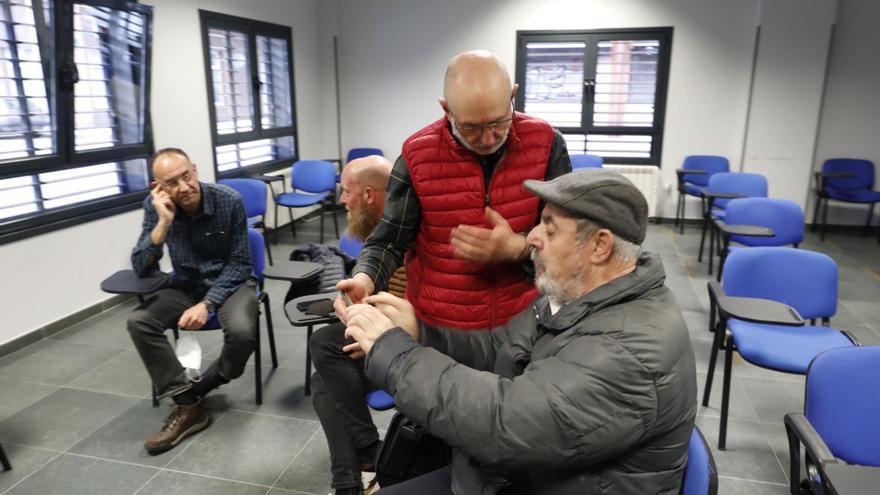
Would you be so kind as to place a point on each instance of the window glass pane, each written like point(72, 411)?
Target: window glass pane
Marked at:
point(554, 83)
point(231, 77)
point(274, 73)
point(109, 48)
point(610, 145)
point(26, 78)
point(626, 79)
point(249, 153)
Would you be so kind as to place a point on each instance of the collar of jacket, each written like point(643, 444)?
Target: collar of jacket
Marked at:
point(648, 275)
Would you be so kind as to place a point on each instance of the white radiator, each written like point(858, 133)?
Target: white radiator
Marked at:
point(645, 177)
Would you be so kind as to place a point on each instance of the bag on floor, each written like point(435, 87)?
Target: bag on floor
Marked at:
point(409, 451)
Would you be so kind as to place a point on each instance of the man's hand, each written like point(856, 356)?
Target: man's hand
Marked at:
point(365, 325)
point(358, 287)
point(399, 311)
point(194, 318)
point(162, 203)
point(497, 243)
point(354, 351)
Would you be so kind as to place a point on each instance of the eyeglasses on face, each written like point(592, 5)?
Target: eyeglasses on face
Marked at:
point(177, 181)
point(495, 127)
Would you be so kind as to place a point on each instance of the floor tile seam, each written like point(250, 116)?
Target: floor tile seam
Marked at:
point(190, 443)
point(10, 356)
point(9, 490)
point(108, 459)
point(271, 415)
point(117, 394)
point(217, 478)
point(736, 478)
point(764, 433)
point(101, 426)
point(54, 338)
point(158, 471)
point(295, 457)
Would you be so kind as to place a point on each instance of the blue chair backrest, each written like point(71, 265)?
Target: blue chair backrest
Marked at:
point(863, 170)
point(842, 402)
point(258, 252)
point(355, 153)
point(785, 217)
point(586, 160)
point(710, 163)
point(350, 246)
point(749, 185)
point(313, 176)
point(700, 474)
point(805, 280)
point(252, 192)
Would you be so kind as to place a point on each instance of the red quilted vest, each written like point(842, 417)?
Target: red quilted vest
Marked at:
point(448, 181)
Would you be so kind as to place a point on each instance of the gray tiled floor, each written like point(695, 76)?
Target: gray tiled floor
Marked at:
point(75, 407)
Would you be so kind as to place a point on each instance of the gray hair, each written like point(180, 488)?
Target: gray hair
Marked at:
point(622, 249)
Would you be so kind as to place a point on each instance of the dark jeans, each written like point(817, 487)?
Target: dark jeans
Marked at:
point(339, 388)
point(162, 310)
point(437, 482)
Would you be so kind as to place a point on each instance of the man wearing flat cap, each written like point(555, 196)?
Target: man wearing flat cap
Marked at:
point(589, 390)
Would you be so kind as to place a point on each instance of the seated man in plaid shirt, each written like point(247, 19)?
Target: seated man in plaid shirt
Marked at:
point(205, 228)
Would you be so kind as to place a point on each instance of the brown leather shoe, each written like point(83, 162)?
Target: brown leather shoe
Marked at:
point(182, 422)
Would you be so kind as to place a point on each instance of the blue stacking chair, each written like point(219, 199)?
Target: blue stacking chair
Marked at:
point(354, 154)
point(839, 425)
point(755, 222)
point(4, 461)
point(806, 281)
point(350, 246)
point(693, 179)
point(253, 195)
point(312, 182)
point(722, 187)
point(845, 179)
point(585, 160)
point(700, 474)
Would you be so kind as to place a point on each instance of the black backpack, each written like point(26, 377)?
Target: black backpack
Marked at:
point(409, 451)
point(337, 266)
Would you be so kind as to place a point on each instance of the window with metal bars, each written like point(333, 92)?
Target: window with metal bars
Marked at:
point(604, 90)
point(74, 120)
point(249, 68)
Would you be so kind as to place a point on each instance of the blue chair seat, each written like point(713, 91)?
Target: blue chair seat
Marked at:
point(380, 400)
point(695, 190)
point(294, 199)
point(854, 195)
point(719, 213)
point(788, 349)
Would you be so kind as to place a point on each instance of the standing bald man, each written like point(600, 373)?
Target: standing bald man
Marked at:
point(456, 207)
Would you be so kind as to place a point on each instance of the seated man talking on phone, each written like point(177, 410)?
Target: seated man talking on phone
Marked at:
point(205, 229)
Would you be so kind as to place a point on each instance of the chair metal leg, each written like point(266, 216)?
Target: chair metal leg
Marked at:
point(258, 368)
point(716, 345)
point(321, 213)
point(816, 213)
point(270, 331)
point(870, 217)
point(4, 460)
point(677, 210)
point(725, 397)
point(711, 248)
point(275, 219)
point(824, 221)
point(292, 228)
point(308, 362)
point(702, 239)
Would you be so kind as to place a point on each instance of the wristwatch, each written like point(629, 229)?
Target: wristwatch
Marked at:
point(209, 304)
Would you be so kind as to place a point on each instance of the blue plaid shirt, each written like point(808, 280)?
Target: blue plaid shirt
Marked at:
point(210, 251)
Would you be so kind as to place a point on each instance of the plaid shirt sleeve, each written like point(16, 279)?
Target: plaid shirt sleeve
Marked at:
point(383, 251)
point(238, 267)
point(145, 256)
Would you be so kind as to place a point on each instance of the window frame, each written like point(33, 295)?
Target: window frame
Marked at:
point(591, 38)
point(252, 28)
point(61, 101)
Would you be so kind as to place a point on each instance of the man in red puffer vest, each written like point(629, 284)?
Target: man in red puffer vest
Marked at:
point(456, 208)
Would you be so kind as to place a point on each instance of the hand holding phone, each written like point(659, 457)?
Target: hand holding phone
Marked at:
point(346, 299)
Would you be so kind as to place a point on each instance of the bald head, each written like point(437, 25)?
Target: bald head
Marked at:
point(369, 171)
point(476, 78)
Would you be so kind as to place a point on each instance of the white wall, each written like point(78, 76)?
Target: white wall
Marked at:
point(53, 275)
point(394, 53)
point(786, 99)
point(850, 123)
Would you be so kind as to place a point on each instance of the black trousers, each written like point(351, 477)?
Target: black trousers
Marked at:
point(339, 390)
point(160, 311)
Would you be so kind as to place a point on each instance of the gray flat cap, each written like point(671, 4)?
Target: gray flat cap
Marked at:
point(606, 198)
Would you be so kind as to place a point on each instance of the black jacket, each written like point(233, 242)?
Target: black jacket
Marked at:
point(598, 398)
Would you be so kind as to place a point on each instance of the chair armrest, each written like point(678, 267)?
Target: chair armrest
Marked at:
point(128, 282)
point(744, 230)
point(269, 178)
point(297, 310)
point(293, 271)
point(334, 160)
point(753, 309)
point(723, 195)
point(801, 432)
point(693, 171)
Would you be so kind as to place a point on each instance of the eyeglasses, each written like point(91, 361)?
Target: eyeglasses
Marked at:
point(175, 182)
point(477, 129)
